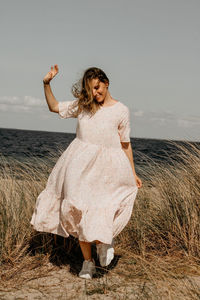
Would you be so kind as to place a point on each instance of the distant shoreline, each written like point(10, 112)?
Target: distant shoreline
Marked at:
point(139, 138)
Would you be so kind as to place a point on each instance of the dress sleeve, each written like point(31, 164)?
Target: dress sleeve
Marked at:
point(66, 109)
point(124, 128)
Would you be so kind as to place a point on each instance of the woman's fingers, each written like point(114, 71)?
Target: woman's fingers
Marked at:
point(51, 73)
point(139, 182)
point(54, 70)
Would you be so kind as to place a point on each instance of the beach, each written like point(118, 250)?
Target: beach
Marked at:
point(156, 255)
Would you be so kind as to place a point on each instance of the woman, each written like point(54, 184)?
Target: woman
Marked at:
point(91, 190)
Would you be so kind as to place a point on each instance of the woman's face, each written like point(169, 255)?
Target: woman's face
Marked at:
point(99, 89)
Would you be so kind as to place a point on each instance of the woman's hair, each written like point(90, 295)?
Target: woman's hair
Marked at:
point(83, 92)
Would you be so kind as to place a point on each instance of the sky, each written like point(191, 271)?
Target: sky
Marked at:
point(149, 49)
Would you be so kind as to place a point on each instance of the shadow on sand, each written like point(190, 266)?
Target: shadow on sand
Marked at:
point(66, 251)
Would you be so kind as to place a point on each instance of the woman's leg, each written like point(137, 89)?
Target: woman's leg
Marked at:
point(86, 250)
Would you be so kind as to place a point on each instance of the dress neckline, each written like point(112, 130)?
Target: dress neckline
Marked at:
point(110, 105)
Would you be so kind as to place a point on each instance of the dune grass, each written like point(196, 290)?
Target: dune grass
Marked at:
point(161, 242)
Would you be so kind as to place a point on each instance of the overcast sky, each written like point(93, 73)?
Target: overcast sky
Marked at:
point(149, 49)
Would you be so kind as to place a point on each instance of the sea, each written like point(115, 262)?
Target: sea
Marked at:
point(30, 146)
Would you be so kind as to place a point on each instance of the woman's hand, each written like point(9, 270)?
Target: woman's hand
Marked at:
point(138, 181)
point(51, 74)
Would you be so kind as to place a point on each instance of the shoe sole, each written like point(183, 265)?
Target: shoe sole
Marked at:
point(87, 276)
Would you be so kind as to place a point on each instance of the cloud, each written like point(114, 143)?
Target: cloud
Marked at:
point(188, 122)
point(20, 104)
point(31, 101)
point(184, 123)
point(29, 104)
point(138, 113)
point(165, 118)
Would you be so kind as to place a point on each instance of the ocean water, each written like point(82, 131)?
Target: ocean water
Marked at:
point(30, 146)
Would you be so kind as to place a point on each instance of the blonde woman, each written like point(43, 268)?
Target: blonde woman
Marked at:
point(91, 190)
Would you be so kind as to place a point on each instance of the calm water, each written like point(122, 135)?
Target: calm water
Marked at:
point(29, 145)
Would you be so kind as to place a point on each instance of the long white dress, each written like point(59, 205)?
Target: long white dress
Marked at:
point(91, 190)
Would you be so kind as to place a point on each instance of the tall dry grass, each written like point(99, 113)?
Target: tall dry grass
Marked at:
point(162, 239)
point(166, 214)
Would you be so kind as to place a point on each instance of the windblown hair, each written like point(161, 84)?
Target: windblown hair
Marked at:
point(83, 92)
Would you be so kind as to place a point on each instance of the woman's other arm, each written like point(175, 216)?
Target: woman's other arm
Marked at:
point(126, 146)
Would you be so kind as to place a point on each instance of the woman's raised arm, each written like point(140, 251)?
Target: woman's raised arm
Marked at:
point(50, 98)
